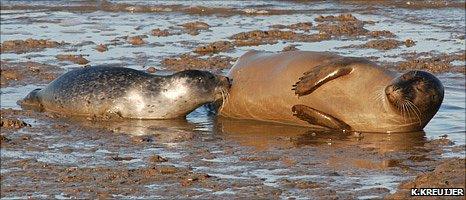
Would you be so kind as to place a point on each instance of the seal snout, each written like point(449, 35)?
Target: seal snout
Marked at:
point(395, 94)
point(225, 80)
point(391, 89)
point(224, 83)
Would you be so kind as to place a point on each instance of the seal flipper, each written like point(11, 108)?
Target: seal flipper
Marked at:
point(316, 77)
point(319, 118)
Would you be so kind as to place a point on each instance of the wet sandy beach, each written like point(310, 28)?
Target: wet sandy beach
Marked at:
point(46, 155)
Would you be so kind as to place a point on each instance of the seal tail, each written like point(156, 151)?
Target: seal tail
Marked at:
point(32, 100)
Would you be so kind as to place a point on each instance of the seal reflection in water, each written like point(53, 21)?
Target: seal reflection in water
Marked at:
point(123, 92)
point(265, 136)
point(326, 90)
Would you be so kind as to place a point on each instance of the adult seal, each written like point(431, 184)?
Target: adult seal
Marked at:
point(327, 90)
point(105, 91)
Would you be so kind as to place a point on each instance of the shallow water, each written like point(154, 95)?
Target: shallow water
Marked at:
point(247, 151)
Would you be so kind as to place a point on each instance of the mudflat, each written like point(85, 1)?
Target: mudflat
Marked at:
point(48, 155)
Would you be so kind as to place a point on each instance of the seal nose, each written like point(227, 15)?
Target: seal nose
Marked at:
point(391, 88)
point(226, 80)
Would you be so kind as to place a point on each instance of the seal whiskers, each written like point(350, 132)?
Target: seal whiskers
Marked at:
point(414, 109)
point(402, 109)
point(379, 94)
point(224, 98)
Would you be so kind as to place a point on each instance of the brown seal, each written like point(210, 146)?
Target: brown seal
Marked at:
point(327, 90)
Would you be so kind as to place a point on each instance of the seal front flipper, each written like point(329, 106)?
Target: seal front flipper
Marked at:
point(319, 118)
point(316, 77)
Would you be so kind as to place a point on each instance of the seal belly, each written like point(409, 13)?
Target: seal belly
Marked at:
point(261, 87)
point(262, 90)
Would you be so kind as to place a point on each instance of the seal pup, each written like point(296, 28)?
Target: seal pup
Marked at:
point(327, 90)
point(105, 91)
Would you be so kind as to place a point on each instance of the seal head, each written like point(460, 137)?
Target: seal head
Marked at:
point(416, 95)
point(202, 86)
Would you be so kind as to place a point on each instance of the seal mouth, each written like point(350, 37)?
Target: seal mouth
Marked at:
point(222, 91)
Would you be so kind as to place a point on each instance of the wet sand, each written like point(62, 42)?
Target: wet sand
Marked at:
point(49, 155)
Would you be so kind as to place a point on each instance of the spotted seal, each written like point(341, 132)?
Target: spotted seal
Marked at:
point(327, 90)
point(103, 91)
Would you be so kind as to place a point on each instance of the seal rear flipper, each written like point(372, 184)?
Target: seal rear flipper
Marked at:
point(316, 77)
point(31, 101)
point(319, 118)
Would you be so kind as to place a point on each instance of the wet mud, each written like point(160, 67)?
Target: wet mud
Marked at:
point(384, 44)
point(328, 27)
point(23, 73)
point(255, 38)
point(188, 61)
point(303, 26)
point(215, 47)
point(78, 59)
point(13, 123)
point(413, 4)
point(108, 6)
point(434, 63)
point(163, 33)
point(50, 155)
point(292, 47)
point(101, 48)
point(447, 174)
point(77, 158)
point(136, 40)
point(193, 28)
point(28, 45)
point(342, 25)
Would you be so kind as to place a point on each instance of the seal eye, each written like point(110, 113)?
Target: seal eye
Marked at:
point(405, 77)
point(199, 79)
